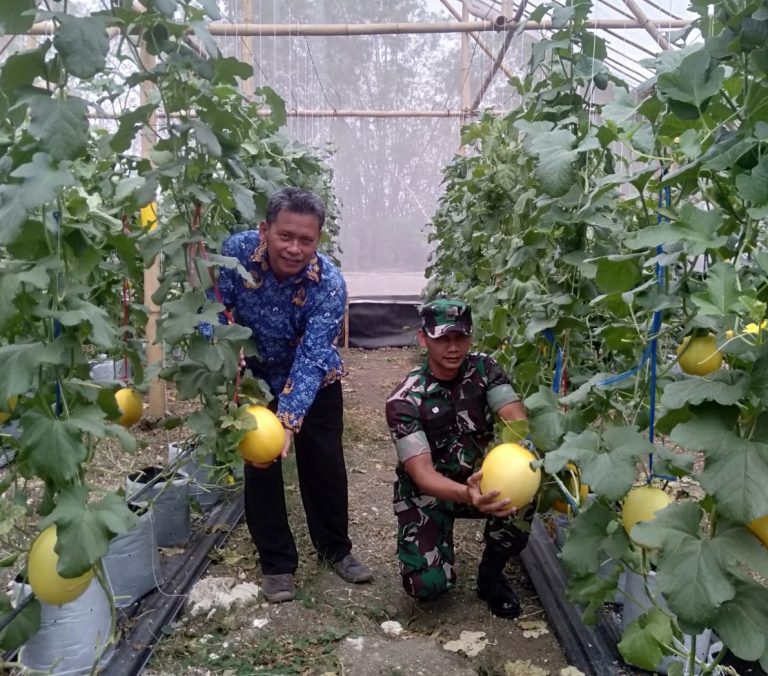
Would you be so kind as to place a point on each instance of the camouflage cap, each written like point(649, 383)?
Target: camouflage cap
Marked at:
point(444, 315)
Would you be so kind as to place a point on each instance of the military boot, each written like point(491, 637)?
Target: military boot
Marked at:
point(494, 587)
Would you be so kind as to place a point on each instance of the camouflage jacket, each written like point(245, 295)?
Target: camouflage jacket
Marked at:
point(451, 420)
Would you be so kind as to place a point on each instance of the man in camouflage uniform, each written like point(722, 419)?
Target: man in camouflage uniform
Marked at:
point(441, 419)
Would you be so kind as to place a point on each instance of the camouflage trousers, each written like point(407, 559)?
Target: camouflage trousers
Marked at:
point(425, 549)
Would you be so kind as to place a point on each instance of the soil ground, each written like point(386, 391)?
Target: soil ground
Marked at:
point(334, 627)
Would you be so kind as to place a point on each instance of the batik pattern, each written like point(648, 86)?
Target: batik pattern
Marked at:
point(295, 322)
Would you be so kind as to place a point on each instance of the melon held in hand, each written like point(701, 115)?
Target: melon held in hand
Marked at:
point(507, 469)
point(265, 441)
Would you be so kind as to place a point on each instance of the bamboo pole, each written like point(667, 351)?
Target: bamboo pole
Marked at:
point(270, 30)
point(480, 43)
point(337, 112)
point(156, 406)
point(499, 58)
point(248, 86)
point(351, 112)
point(464, 71)
point(648, 24)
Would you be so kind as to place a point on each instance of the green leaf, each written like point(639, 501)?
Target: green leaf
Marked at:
point(515, 431)
point(130, 123)
point(211, 9)
point(243, 201)
point(641, 643)
point(25, 625)
point(758, 383)
point(696, 79)
point(740, 623)
point(83, 44)
point(22, 68)
point(593, 46)
point(724, 388)
point(690, 143)
point(692, 573)
point(166, 7)
point(16, 16)
point(735, 471)
point(61, 125)
point(621, 108)
point(556, 160)
point(561, 16)
point(591, 592)
point(84, 528)
point(206, 138)
point(19, 368)
point(724, 155)
point(42, 180)
point(275, 103)
point(52, 447)
point(80, 312)
point(10, 286)
point(589, 539)
point(742, 551)
point(13, 213)
point(721, 292)
point(618, 274)
point(694, 227)
point(183, 317)
point(608, 462)
point(545, 418)
point(753, 187)
point(126, 439)
point(228, 69)
point(205, 37)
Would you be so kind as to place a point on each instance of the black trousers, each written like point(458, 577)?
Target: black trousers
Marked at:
point(323, 484)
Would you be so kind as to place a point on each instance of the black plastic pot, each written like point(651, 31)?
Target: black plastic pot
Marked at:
point(168, 495)
point(132, 565)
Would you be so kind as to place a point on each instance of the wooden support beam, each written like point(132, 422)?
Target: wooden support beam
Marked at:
point(347, 112)
point(249, 44)
point(156, 405)
point(497, 61)
point(464, 71)
point(650, 26)
point(270, 30)
point(478, 40)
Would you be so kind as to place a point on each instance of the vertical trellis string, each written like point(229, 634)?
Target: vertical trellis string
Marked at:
point(56, 323)
point(665, 197)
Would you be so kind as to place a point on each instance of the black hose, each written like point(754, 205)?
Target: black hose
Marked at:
point(158, 609)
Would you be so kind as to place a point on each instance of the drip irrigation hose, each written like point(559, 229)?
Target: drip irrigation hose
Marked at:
point(591, 649)
point(159, 608)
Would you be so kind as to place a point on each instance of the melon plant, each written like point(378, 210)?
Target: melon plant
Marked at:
point(591, 234)
point(73, 250)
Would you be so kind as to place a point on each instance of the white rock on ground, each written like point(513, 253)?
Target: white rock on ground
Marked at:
point(368, 656)
point(392, 628)
point(469, 642)
point(212, 593)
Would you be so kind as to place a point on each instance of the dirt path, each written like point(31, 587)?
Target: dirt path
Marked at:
point(334, 627)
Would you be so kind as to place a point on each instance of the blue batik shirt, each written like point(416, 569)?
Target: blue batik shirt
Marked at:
point(295, 322)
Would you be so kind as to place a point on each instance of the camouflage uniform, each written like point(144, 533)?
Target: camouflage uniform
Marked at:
point(454, 422)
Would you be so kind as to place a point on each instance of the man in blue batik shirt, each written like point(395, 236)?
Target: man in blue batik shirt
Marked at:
point(294, 305)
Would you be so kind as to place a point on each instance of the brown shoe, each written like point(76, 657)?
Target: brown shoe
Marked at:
point(278, 588)
point(351, 570)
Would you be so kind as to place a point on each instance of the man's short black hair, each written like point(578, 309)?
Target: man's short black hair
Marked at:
point(296, 200)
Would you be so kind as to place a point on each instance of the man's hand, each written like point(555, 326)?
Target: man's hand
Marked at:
point(282, 456)
point(488, 503)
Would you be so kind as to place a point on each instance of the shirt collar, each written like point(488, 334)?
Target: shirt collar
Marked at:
point(311, 271)
point(432, 381)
